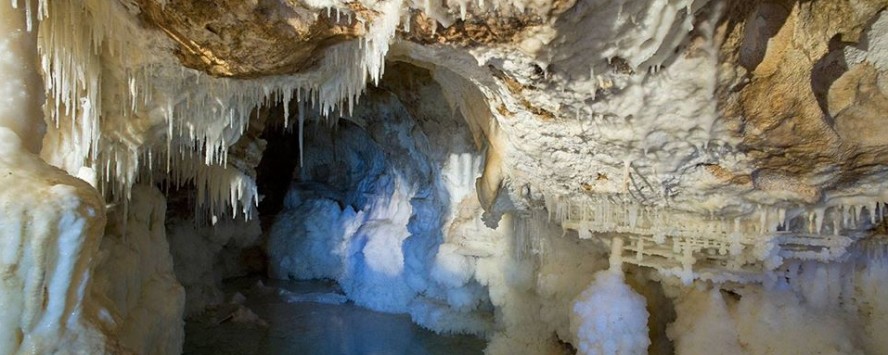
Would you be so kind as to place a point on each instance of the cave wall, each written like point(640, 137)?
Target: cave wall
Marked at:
point(141, 302)
point(719, 142)
point(371, 206)
point(205, 251)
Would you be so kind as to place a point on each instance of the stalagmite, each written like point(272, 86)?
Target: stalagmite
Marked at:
point(621, 326)
point(51, 222)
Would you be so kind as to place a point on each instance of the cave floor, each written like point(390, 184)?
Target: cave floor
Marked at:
point(309, 317)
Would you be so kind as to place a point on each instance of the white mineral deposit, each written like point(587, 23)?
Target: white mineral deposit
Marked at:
point(443, 177)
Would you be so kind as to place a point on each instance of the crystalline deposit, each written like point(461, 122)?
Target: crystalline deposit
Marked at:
point(598, 176)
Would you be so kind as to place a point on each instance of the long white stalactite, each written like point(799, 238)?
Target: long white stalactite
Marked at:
point(107, 92)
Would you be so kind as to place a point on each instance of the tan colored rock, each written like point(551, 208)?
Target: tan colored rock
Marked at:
point(792, 52)
point(473, 32)
point(860, 107)
point(251, 38)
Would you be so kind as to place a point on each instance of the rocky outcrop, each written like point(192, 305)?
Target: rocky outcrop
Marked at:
point(748, 118)
point(251, 38)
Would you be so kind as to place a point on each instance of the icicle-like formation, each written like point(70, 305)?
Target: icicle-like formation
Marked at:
point(70, 60)
point(531, 234)
point(693, 246)
point(301, 133)
point(220, 190)
point(107, 92)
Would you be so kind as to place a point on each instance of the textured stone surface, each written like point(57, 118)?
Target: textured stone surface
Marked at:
point(792, 106)
point(744, 119)
point(734, 142)
point(709, 107)
point(250, 38)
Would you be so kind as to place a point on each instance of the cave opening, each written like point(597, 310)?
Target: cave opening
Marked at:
point(353, 248)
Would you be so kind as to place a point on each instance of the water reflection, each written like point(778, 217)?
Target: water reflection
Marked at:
point(310, 327)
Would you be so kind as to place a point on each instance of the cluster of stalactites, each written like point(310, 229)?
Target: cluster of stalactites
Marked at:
point(692, 246)
point(114, 97)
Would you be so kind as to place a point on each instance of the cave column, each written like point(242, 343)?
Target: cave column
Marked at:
point(50, 222)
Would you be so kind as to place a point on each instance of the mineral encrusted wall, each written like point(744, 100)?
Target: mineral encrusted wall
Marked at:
point(701, 141)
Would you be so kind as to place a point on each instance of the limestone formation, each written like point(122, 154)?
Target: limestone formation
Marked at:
point(495, 150)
